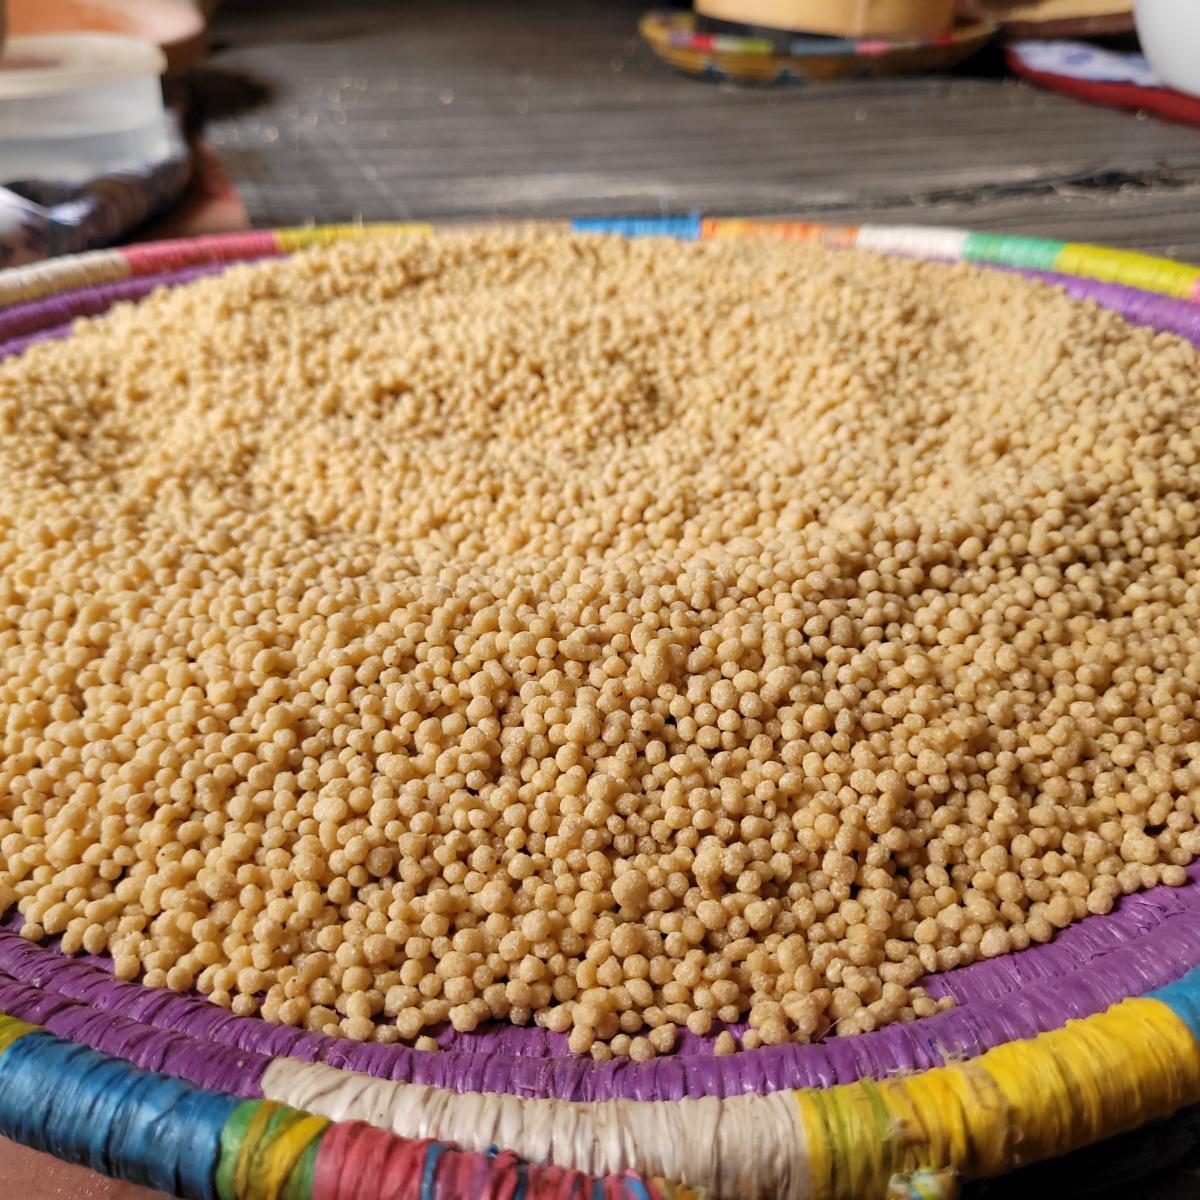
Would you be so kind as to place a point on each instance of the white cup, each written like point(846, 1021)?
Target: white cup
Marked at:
point(1170, 35)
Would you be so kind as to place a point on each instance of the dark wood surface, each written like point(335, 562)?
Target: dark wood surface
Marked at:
point(465, 109)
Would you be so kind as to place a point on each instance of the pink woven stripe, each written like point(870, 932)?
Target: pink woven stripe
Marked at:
point(150, 257)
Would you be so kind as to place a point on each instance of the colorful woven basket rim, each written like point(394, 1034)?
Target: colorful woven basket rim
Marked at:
point(173, 1092)
point(1147, 273)
point(758, 58)
point(678, 30)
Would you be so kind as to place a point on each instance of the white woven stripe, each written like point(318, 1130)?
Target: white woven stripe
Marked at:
point(913, 241)
point(32, 282)
point(744, 1148)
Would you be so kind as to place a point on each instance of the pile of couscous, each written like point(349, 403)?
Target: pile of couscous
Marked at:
point(619, 635)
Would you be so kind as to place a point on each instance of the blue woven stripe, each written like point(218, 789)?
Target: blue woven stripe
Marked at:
point(429, 1174)
point(90, 1108)
point(1183, 998)
point(685, 228)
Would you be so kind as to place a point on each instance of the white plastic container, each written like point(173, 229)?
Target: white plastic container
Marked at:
point(73, 106)
point(1169, 31)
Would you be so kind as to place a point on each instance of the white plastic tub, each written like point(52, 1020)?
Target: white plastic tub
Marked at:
point(73, 106)
point(1169, 31)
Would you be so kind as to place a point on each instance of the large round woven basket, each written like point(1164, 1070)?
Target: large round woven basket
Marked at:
point(1046, 1050)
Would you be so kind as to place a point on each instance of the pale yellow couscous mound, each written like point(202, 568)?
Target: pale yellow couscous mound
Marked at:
point(621, 635)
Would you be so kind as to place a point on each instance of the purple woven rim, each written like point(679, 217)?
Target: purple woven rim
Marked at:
point(1149, 940)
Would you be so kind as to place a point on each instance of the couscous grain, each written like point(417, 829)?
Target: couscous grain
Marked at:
point(618, 635)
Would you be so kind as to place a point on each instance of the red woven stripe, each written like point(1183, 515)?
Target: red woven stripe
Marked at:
point(353, 1154)
point(150, 257)
point(356, 1159)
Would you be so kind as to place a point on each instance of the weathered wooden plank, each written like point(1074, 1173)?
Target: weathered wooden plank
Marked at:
point(462, 110)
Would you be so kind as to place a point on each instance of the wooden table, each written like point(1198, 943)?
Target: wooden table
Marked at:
point(554, 108)
point(27, 1175)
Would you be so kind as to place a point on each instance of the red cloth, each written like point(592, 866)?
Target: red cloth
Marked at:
point(1163, 102)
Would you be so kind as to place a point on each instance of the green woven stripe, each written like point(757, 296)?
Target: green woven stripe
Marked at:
point(1035, 254)
point(232, 1137)
point(299, 1184)
point(258, 1143)
point(281, 1121)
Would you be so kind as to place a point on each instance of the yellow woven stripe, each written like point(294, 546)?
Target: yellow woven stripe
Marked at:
point(848, 1136)
point(274, 1162)
point(322, 235)
point(1124, 266)
point(862, 1116)
point(1111, 1072)
point(666, 1189)
point(818, 1141)
point(243, 1172)
point(12, 1030)
point(951, 1117)
point(1019, 1103)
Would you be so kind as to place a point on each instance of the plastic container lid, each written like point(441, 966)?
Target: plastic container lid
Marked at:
point(175, 25)
point(46, 64)
point(74, 105)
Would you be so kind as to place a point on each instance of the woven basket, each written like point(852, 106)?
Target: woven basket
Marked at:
point(838, 18)
point(673, 36)
point(1046, 1050)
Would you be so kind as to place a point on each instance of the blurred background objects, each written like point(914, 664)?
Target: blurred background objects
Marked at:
point(886, 110)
